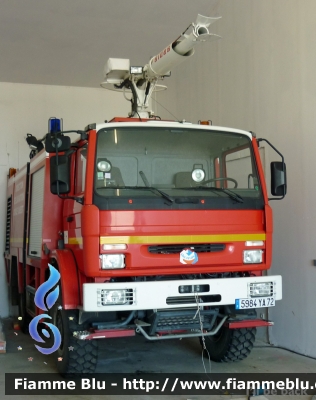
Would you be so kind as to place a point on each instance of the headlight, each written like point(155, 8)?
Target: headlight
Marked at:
point(253, 256)
point(112, 261)
point(261, 289)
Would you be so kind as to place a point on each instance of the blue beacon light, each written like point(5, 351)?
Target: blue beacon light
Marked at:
point(54, 125)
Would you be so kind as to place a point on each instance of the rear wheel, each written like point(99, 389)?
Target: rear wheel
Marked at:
point(230, 344)
point(73, 355)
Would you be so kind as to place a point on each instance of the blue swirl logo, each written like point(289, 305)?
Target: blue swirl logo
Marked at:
point(45, 299)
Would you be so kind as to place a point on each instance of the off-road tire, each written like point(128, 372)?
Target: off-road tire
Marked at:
point(230, 345)
point(84, 356)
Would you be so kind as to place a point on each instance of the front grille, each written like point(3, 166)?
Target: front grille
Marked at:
point(178, 300)
point(177, 248)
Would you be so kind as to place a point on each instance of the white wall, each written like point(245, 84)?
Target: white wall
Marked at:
point(262, 76)
point(26, 109)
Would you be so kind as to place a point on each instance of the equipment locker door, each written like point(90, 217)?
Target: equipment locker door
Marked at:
point(36, 217)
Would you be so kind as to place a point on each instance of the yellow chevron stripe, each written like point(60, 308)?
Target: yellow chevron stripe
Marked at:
point(75, 240)
point(182, 238)
point(166, 239)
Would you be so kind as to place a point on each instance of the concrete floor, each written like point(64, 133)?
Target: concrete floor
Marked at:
point(130, 355)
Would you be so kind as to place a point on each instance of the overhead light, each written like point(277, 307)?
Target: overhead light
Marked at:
point(136, 70)
point(198, 173)
point(33, 142)
point(104, 165)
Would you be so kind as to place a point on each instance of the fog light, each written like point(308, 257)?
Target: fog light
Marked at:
point(115, 296)
point(112, 261)
point(253, 256)
point(261, 289)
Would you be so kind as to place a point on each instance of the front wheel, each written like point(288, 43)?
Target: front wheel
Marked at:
point(230, 345)
point(73, 356)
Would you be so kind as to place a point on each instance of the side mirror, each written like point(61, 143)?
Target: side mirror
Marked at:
point(60, 175)
point(57, 142)
point(278, 179)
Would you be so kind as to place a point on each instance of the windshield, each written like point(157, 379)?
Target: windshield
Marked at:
point(163, 167)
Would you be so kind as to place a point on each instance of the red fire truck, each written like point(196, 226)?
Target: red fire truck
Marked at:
point(156, 227)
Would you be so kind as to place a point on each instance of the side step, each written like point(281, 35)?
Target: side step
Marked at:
point(172, 320)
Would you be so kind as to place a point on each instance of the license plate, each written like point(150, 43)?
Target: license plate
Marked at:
point(241, 304)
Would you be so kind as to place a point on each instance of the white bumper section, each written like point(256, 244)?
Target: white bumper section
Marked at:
point(156, 295)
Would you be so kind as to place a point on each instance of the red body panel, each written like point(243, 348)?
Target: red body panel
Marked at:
point(70, 281)
point(35, 267)
point(251, 323)
point(181, 222)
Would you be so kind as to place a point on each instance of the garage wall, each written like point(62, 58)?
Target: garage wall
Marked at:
point(26, 109)
point(262, 77)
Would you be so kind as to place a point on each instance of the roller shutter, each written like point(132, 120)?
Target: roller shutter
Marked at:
point(36, 217)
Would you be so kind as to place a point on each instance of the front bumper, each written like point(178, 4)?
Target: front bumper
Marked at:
point(165, 294)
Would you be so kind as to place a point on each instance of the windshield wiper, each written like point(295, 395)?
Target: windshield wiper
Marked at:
point(154, 190)
point(150, 188)
point(229, 193)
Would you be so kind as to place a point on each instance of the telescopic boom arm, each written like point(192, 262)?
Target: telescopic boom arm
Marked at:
point(142, 81)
